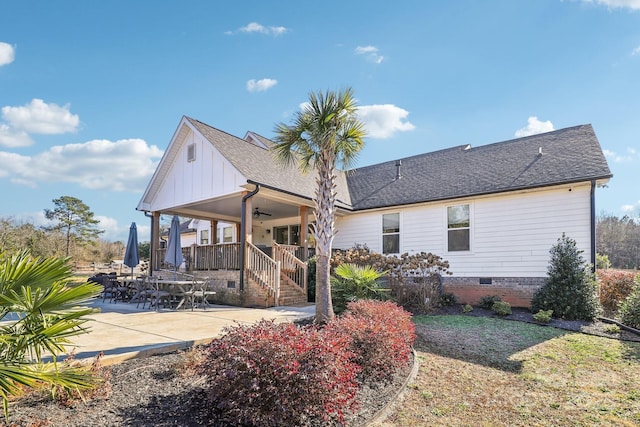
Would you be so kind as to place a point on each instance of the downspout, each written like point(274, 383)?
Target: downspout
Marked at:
point(151, 254)
point(243, 227)
point(593, 226)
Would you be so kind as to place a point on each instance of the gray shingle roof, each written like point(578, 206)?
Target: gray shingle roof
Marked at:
point(568, 155)
point(257, 165)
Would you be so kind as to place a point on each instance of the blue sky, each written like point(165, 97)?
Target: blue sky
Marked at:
point(92, 92)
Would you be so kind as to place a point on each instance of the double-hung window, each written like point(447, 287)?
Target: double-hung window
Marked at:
point(204, 237)
point(458, 228)
point(391, 233)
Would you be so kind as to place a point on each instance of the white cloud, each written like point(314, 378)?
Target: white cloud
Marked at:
point(615, 4)
point(635, 51)
point(124, 165)
point(260, 85)
point(620, 158)
point(254, 27)
point(370, 52)
point(533, 127)
point(628, 208)
point(383, 121)
point(13, 138)
point(40, 117)
point(7, 54)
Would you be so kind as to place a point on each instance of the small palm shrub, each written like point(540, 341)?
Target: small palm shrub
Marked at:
point(49, 312)
point(614, 287)
point(630, 310)
point(467, 308)
point(270, 374)
point(501, 308)
point(570, 287)
point(356, 282)
point(382, 336)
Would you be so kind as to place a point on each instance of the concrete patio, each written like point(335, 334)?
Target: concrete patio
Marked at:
point(121, 331)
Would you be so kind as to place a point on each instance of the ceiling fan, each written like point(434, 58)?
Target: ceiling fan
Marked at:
point(257, 213)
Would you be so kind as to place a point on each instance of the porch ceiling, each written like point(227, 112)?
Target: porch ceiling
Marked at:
point(229, 208)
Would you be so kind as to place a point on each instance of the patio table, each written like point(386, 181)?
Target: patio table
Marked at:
point(185, 288)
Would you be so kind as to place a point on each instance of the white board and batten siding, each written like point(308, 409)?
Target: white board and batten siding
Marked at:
point(510, 234)
point(207, 175)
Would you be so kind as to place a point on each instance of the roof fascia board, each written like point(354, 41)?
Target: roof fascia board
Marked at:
point(522, 190)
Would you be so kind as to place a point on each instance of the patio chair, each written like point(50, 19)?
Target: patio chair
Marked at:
point(157, 295)
point(109, 288)
point(201, 293)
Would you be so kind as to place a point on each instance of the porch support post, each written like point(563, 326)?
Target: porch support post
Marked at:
point(244, 224)
point(214, 232)
point(155, 243)
point(304, 232)
point(248, 221)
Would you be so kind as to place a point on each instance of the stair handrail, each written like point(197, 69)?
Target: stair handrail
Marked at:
point(263, 270)
point(293, 267)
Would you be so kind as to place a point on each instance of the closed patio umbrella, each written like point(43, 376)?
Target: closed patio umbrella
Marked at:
point(173, 256)
point(131, 256)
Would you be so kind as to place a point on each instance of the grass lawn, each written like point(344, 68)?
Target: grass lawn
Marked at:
point(477, 371)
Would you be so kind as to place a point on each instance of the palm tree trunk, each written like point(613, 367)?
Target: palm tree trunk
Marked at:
point(324, 231)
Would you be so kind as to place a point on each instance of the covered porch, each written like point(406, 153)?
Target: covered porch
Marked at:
point(265, 264)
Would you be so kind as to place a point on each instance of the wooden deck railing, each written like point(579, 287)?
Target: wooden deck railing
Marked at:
point(291, 266)
point(263, 270)
point(223, 256)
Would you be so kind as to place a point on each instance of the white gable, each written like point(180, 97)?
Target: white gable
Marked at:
point(191, 170)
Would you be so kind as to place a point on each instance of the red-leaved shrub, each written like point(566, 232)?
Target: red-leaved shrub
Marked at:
point(382, 336)
point(272, 374)
point(614, 287)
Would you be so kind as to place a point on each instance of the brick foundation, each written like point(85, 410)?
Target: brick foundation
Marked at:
point(517, 291)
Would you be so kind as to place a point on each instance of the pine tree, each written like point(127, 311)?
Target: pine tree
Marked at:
point(570, 288)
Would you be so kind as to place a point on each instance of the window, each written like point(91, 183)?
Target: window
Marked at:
point(287, 235)
point(191, 152)
point(227, 234)
point(281, 235)
point(204, 237)
point(458, 227)
point(391, 233)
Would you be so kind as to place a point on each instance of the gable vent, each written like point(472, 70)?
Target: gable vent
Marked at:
point(191, 152)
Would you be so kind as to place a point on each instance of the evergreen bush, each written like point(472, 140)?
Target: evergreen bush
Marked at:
point(501, 308)
point(570, 287)
point(630, 310)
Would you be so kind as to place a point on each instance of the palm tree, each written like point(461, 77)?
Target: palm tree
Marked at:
point(44, 312)
point(325, 134)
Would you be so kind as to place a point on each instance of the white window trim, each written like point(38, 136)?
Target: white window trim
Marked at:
point(471, 229)
point(383, 234)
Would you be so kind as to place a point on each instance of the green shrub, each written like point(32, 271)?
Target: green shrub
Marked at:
point(630, 310)
point(543, 316)
point(501, 308)
point(448, 299)
point(612, 329)
point(467, 308)
point(614, 287)
point(487, 301)
point(311, 279)
point(570, 287)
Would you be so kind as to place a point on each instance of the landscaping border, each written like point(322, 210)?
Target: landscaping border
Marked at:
point(387, 409)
